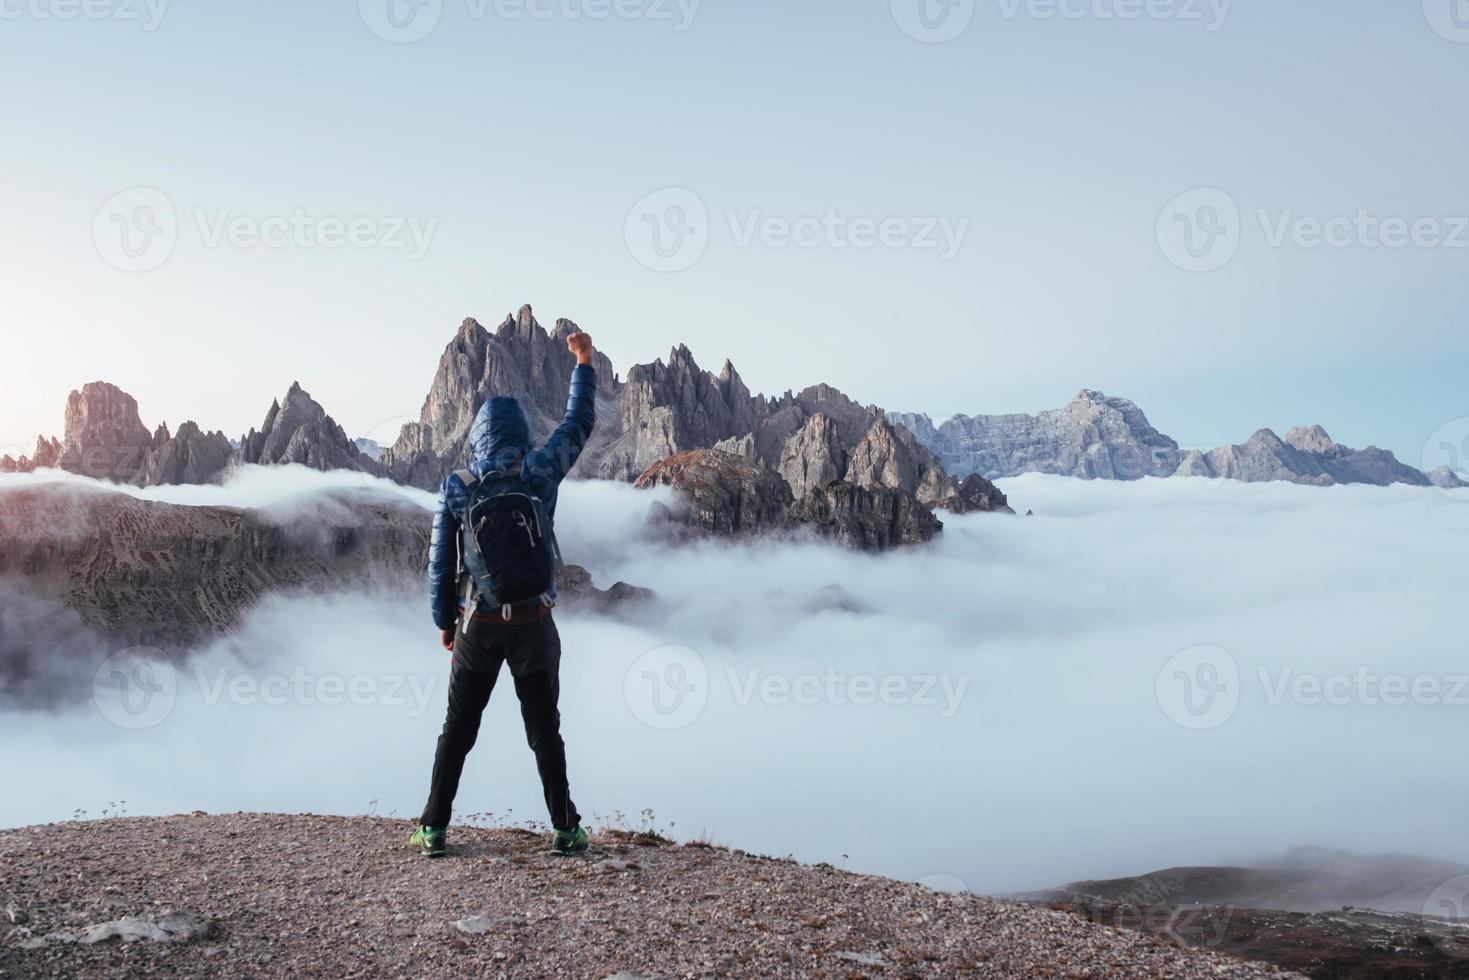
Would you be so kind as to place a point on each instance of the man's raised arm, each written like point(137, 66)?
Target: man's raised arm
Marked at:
point(556, 458)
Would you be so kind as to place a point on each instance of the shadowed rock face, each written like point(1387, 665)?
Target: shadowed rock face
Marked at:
point(108, 570)
point(298, 430)
point(168, 575)
point(726, 495)
point(720, 493)
point(867, 518)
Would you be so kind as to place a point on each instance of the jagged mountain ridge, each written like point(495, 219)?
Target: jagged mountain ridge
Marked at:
point(660, 410)
point(1097, 436)
point(805, 441)
point(104, 438)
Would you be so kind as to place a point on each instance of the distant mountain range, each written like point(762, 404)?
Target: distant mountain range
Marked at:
point(809, 440)
point(1097, 437)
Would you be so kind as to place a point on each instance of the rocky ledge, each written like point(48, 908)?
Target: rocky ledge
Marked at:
point(288, 896)
point(728, 494)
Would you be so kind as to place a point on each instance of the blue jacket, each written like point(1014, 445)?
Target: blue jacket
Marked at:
point(500, 436)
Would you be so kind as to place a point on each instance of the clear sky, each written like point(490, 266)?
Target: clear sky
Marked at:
point(522, 139)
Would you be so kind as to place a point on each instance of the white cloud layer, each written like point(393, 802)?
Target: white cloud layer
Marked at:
point(1008, 707)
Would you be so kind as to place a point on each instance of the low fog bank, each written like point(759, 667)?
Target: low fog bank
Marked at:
point(1130, 680)
point(246, 486)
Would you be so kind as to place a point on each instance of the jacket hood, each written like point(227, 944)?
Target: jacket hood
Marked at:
point(500, 432)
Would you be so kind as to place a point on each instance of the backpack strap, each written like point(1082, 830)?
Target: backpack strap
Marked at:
point(468, 592)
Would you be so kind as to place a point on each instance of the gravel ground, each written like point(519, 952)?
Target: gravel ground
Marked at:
point(293, 896)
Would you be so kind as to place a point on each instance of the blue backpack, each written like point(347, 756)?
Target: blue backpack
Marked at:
point(506, 543)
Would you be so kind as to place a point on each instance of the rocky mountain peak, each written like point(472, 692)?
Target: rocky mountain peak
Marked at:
point(298, 430)
point(814, 456)
point(102, 414)
point(1310, 439)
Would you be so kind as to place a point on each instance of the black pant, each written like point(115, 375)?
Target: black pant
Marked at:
point(534, 654)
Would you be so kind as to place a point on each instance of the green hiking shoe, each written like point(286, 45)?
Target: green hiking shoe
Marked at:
point(565, 842)
point(430, 841)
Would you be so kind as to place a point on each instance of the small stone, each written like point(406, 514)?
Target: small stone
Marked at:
point(476, 925)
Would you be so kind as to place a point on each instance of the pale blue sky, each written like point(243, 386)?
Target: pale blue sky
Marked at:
point(1058, 140)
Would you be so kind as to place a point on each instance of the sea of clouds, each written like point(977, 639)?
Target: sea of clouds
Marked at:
point(1139, 676)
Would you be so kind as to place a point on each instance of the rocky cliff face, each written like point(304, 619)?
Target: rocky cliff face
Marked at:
point(191, 456)
point(521, 360)
point(814, 456)
point(298, 430)
point(1306, 455)
point(101, 570)
point(719, 493)
point(105, 439)
point(725, 495)
point(662, 410)
point(1094, 437)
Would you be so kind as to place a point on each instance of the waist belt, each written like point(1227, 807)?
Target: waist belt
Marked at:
point(514, 613)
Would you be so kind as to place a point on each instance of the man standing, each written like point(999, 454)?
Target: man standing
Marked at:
point(491, 583)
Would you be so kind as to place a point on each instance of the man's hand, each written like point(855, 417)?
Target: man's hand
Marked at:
point(580, 344)
point(446, 640)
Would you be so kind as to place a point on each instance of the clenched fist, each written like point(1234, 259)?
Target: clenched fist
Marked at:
point(580, 344)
